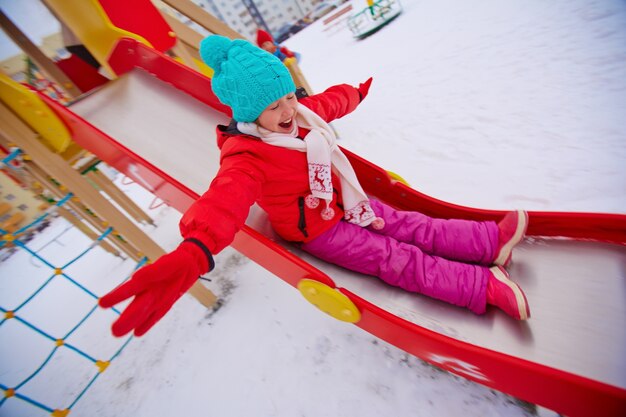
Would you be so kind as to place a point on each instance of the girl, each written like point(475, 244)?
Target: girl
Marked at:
point(279, 152)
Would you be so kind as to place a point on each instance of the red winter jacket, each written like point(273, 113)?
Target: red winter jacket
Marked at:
point(274, 177)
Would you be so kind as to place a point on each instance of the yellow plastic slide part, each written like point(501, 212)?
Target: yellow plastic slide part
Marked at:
point(204, 68)
point(397, 177)
point(329, 300)
point(27, 105)
point(89, 22)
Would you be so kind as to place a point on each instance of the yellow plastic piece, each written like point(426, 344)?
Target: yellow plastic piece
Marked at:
point(60, 413)
point(59, 342)
point(8, 237)
point(8, 393)
point(72, 152)
point(27, 104)
point(102, 365)
point(397, 177)
point(89, 22)
point(9, 315)
point(204, 68)
point(329, 300)
point(58, 271)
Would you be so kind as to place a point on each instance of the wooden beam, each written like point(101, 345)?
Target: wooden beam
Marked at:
point(181, 50)
point(296, 74)
point(106, 185)
point(45, 64)
point(183, 32)
point(100, 225)
point(37, 188)
point(203, 18)
point(86, 230)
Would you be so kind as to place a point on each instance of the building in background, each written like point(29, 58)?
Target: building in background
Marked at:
point(246, 16)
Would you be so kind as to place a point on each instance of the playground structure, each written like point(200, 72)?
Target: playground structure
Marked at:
point(371, 19)
point(94, 360)
point(160, 97)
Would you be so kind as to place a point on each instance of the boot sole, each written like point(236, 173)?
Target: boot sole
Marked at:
point(520, 298)
point(520, 231)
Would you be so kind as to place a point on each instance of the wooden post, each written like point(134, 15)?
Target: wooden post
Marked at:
point(296, 74)
point(79, 208)
point(86, 230)
point(182, 51)
point(184, 34)
point(14, 128)
point(37, 188)
point(105, 184)
point(203, 18)
point(45, 64)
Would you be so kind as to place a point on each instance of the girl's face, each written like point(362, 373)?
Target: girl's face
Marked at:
point(278, 116)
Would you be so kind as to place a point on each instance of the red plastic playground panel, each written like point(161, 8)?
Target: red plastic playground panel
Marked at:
point(142, 18)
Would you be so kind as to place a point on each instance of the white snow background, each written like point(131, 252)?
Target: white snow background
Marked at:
point(494, 104)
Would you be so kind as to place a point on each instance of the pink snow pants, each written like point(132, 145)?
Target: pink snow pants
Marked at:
point(443, 259)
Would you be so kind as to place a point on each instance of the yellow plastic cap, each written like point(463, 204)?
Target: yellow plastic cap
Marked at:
point(329, 300)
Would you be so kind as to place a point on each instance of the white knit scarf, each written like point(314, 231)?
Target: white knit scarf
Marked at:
point(323, 154)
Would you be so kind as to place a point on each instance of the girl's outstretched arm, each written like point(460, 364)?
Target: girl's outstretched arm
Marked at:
point(222, 210)
point(207, 227)
point(337, 101)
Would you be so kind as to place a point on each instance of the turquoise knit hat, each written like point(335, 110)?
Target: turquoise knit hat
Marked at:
point(246, 78)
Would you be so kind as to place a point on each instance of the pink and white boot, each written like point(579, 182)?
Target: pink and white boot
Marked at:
point(505, 294)
point(511, 230)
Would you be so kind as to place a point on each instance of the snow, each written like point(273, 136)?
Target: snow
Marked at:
point(489, 104)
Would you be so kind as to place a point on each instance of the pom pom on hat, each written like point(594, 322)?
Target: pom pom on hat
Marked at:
point(378, 223)
point(214, 50)
point(263, 36)
point(246, 78)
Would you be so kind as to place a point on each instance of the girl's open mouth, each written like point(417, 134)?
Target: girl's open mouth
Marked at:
point(286, 124)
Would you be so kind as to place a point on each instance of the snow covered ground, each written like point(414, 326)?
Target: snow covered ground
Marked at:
point(497, 104)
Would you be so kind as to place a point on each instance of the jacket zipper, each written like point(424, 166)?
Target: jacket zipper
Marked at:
point(302, 220)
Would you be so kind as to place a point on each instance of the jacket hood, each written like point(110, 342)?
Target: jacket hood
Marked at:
point(225, 132)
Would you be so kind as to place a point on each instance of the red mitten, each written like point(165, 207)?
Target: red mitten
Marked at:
point(156, 287)
point(364, 88)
